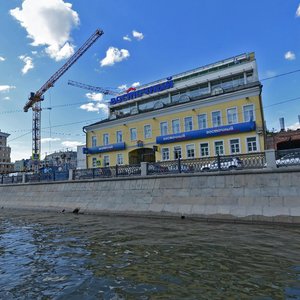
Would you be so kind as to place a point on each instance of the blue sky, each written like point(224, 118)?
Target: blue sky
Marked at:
point(143, 41)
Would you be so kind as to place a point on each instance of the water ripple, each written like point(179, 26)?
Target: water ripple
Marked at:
point(62, 256)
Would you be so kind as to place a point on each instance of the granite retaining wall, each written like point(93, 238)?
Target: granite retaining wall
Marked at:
point(252, 196)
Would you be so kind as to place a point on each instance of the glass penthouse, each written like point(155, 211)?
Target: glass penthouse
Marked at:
point(215, 109)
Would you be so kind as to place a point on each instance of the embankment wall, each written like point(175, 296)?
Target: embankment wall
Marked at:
point(253, 196)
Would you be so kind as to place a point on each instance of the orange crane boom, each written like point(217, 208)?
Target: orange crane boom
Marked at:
point(35, 99)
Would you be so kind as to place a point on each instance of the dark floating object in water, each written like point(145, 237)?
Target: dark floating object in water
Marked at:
point(63, 211)
point(182, 217)
point(76, 211)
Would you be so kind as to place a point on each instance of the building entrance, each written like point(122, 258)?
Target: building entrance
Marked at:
point(141, 155)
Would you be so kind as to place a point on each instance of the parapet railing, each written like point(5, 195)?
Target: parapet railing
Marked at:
point(208, 164)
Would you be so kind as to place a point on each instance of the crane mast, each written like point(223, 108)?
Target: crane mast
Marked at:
point(34, 100)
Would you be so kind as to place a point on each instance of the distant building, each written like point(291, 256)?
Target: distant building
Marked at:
point(81, 158)
point(21, 165)
point(62, 160)
point(283, 140)
point(5, 162)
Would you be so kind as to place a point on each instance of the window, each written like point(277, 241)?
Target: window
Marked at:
point(133, 134)
point(231, 116)
point(202, 121)
point(105, 139)
point(216, 118)
point(234, 146)
point(248, 113)
point(106, 160)
point(177, 152)
point(147, 131)
point(94, 162)
point(175, 126)
point(188, 123)
point(163, 128)
point(219, 148)
point(94, 141)
point(165, 154)
point(119, 136)
point(204, 149)
point(251, 144)
point(120, 159)
point(190, 151)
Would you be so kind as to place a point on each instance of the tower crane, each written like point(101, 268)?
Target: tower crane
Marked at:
point(34, 100)
point(92, 88)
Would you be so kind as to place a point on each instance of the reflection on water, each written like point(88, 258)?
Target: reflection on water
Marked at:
point(64, 256)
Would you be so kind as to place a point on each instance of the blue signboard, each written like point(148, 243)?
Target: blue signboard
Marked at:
point(208, 132)
point(146, 91)
point(106, 148)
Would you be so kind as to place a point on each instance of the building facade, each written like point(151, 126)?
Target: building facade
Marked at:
point(215, 109)
point(5, 162)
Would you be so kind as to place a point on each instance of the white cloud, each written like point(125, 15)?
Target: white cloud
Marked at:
point(48, 23)
point(6, 98)
point(95, 107)
point(46, 140)
point(127, 38)
point(95, 96)
point(135, 84)
point(294, 126)
point(34, 52)
point(298, 11)
point(114, 55)
point(123, 87)
point(71, 144)
point(290, 55)
point(58, 53)
point(2, 58)
point(137, 35)
point(6, 88)
point(28, 63)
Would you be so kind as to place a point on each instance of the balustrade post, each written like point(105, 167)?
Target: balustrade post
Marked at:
point(270, 159)
point(179, 165)
point(219, 161)
point(144, 168)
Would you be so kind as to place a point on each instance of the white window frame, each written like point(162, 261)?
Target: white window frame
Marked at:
point(94, 141)
point(177, 146)
point(94, 162)
point(120, 155)
point(205, 114)
point(130, 130)
point(212, 120)
point(229, 145)
point(177, 119)
point(254, 116)
point(117, 136)
point(103, 140)
point(257, 144)
point(104, 156)
point(162, 156)
point(236, 115)
point(185, 129)
point(186, 150)
point(160, 127)
point(207, 143)
point(224, 152)
point(148, 137)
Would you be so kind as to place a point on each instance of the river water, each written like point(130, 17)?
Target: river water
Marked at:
point(66, 256)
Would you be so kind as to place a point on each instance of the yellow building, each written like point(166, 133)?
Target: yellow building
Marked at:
point(215, 109)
